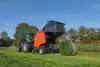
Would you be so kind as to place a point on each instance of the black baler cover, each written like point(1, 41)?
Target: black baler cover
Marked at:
point(53, 29)
point(54, 26)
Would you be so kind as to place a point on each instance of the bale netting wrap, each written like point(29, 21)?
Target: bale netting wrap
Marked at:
point(68, 49)
point(75, 49)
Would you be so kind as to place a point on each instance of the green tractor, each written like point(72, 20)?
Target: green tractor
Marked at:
point(27, 45)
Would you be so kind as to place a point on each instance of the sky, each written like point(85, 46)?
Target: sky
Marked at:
point(73, 13)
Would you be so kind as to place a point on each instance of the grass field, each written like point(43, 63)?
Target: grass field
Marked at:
point(89, 48)
point(10, 58)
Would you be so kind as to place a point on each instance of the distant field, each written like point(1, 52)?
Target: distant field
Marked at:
point(3, 48)
point(10, 58)
point(89, 48)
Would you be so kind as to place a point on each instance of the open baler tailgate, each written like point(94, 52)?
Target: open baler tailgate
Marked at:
point(53, 29)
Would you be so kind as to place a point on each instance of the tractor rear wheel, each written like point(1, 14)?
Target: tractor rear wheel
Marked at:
point(26, 47)
point(42, 50)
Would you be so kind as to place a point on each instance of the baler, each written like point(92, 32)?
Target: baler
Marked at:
point(44, 40)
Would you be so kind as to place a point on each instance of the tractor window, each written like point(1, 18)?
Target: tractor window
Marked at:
point(31, 35)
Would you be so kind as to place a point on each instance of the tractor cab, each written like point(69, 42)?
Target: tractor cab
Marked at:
point(29, 37)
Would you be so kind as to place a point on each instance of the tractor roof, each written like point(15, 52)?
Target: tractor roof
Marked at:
point(52, 21)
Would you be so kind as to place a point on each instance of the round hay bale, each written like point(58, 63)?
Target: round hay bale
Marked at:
point(68, 49)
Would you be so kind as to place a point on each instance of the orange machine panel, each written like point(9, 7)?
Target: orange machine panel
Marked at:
point(39, 39)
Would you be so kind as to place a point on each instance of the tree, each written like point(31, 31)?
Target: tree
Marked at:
point(5, 40)
point(4, 34)
point(3, 43)
point(73, 35)
point(98, 32)
point(93, 35)
point(21, 30)
point(88, 35)
point(82, 32)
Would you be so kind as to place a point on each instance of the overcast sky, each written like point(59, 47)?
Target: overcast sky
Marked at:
point(73, 13)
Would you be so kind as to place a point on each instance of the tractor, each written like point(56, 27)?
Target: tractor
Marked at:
point(44, 40)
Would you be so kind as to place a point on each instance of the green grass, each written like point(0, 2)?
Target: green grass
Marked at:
point(89, 48)
point(10, 58)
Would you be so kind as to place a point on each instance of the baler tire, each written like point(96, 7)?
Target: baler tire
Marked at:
point(42, 50)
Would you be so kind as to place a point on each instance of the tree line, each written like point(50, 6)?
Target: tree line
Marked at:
point(5, 40)
point(21, 30)
point(81, 35)
point(84, 35)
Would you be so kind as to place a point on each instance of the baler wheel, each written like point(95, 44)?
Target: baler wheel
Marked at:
point(42, 50)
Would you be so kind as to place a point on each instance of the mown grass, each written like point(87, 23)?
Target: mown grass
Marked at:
point(10, 58)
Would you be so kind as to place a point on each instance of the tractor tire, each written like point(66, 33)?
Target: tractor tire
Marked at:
point(42, 50)
point(26, 47)
point(18, 48)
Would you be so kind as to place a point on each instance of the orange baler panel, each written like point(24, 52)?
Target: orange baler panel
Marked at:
point(39, 39)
